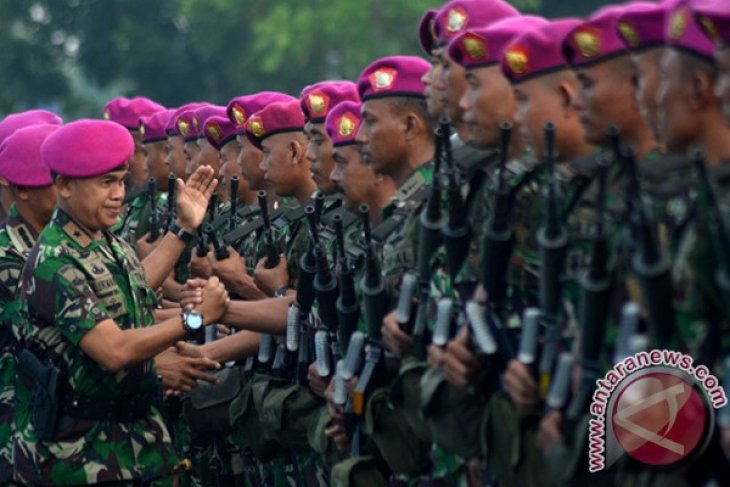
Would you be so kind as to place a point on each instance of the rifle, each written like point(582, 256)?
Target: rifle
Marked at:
point(234, 203)
point(442, 329)
point(456, 233)
point(270, 247)
point(325, 283)
point(171, 182)
point(201, 244)
point(221, 252)
point(552, 240)
point(404, 308)
point(529, 335)
point(348, 307)
point(557, 397)
point(154, 216)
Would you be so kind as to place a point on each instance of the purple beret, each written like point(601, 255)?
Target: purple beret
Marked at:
point(127, 112)
point(343, 123)
point(242, 107)
point(484, 47)
point(683, 32)
point(458, 16)
point(154, 127)
point(641, 25)
point(319, 98)
point(20, 157)
point(16, 121)
point(714, 19)
point(393, 76)
point(537, 51)
point(200, 115)
point(275, 118)
point(426, 33)
point(219, 130)
point(87, 148)
point(596, 39)
point(172, 129)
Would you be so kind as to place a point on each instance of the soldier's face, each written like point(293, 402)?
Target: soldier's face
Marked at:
point(249, 158)
point(453, 79)
point(175, 159)
point(646, 64)
point(536, 105)
point(676, 115)
point(382, 135)
point(94, 203)
point(722, 83)
point(434, 91)
point(206, 156)
point(190, 149)
point(229, 168)
point(319, 155)
point(488, 101)
point(605, 96)
point(155, 155)
point(137, 168)
point(278, 163)
point(354, 176)
point(41, 201)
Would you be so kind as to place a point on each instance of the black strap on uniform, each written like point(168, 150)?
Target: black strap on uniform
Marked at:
point(115, 409)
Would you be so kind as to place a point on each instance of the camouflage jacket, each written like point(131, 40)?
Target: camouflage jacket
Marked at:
point(69, 284)
point(16, 240)
point(136, 221)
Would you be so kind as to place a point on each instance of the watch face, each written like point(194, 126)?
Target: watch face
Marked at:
point(194, 320)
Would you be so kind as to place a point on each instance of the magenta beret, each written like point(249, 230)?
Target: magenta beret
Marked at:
point(714, 19)
point(317, 99)
point(641, 25)
point(20, 157)
point(200, 115)
point(275, 118)
point(154, 127)
point(343, 123)
point(684, 33)
point(458, 16)
point(484, 47)
point(87, 148)
point(426, 33)
point(16, 121)
point(219, 130)
point(172, 128)
point(242, 107)
point(393, 76)
point(537, 51)
point(127, 112)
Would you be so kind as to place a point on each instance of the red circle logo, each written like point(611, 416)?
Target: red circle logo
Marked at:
point(659, 418)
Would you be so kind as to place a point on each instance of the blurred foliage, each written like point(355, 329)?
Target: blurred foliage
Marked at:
point(73, 55)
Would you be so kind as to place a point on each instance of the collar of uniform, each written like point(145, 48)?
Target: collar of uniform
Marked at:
point(79, 237)
point(21, 233)
point(418, 178)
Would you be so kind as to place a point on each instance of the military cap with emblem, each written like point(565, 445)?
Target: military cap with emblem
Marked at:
point(426, 34)
point(127, 112)
point(172, 128)
point(242, 107)
point(343, 122)
point(154, 127)
point(458, 16)
point(596, 39)
point(537, 51)
point(393, 76)
point(16, 121)
point(200, 115)
point(87, 148)
point(714, 20)
point(275, 118)
point(483, 47)
point(682, 32)
point(641, 25)
point(219, 130)
point(20, 157)
point(319, 98)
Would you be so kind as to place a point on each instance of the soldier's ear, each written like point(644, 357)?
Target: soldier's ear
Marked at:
point(413, 125)
point(701, 89)
point(566, 92)
point(63, 186)
point(297, 149)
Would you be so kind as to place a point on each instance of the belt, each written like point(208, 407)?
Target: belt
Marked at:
point(124, 409)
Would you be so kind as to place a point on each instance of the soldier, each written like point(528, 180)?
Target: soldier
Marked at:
point(207, 154)
point(87, 309)
point(10, 124)
point(175, 159)
point(30, 186)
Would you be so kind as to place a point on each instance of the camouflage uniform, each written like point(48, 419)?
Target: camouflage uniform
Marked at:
point(136, 221)
point(16, 240)
point(69, 284)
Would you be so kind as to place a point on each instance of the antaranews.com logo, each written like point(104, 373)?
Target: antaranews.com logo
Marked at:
point(655, 406)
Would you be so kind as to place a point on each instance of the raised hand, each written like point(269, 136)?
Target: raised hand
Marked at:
point(193, 196)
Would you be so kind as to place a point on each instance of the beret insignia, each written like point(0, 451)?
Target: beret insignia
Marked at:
point(678, 24)
point(107, 115)
point(474, 46)
point(317, 103)
point(517, 60)
point(256, 126)
point(383, 79)
point(629, 34)
point(214, 131)
point(346, 125)
point(239, 114)
point(456, 20)
point(588, 42)
point(183, 127)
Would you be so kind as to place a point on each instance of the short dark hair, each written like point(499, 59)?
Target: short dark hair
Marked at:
point(415, 105)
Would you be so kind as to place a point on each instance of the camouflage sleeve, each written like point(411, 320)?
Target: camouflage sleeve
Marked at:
point(66, 300)
point(10, 270)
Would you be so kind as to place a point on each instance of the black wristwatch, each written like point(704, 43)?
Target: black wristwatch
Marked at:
point(192, 321)
point(181, 233)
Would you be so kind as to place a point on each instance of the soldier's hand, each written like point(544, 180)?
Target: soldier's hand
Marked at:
point(200, 266)
point(180, 373)
point(193, 196)
point(549, 431)
point(462, 367)
point(436, 356)
point(222, 331)
point(232, 272)
point(215, 300)
point(145, 248)
point(521, 386)
point(338, 435)
point(317, 384)
point(394, 339)
point(269, 280)
point(191, 294)
point(334, 410)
